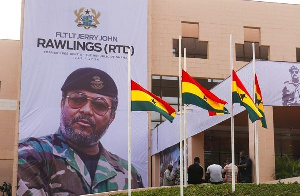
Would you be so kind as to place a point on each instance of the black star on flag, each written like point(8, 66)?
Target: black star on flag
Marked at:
point(242, 96)
point(259, 101)
point(153, 101)
point(205, 98)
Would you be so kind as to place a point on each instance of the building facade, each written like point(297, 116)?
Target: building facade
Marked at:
point(205, 27)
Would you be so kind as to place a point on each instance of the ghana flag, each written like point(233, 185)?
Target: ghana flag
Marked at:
point(143, 100)
point(194, 93)
point(260, 104)
point(241, 95)
point(211, 113)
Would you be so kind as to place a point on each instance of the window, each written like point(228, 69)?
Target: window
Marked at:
point(298, 54)
point(194, 48)
point(167, 88)
point(190, 41)
point(244, 51)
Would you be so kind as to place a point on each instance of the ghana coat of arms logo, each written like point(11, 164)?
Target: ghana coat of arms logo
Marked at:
point(87, 18)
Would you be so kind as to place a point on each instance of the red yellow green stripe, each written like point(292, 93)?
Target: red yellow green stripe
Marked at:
point(241, 95)
point(143, 100)
point(211, 113)
point(194, 93)
point(260, 104)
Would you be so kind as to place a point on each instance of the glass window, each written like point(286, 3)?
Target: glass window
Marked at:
point(167, 87)
point(194, 48)
point(286, 131)
point(264, 52)
point(244, 52)
point(239, 49)
point(208, 83)
point(217, 145)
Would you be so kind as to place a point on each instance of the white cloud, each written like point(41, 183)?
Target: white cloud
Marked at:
point(10, 19)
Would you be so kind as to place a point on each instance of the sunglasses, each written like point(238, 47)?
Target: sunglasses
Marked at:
point(99, 104)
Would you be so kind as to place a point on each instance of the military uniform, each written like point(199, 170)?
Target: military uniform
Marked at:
point(290, 94)
point(49, 166)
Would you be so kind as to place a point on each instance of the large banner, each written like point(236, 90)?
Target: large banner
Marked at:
point(74, 107)
point(169, 156)
point(280, 86)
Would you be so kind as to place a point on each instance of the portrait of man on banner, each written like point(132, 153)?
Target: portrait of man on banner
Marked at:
point(72, 160)
point(291, 91)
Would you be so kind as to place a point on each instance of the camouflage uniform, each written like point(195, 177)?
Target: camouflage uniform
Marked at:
point(290, 94)
point(48, 166)
point(177, 175)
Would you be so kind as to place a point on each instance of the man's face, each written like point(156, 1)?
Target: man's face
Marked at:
point(242, 155)
point(295, 74)
point(85, 125)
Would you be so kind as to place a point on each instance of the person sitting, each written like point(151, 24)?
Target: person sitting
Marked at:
point(195, 172)
point(228, 171)
point(214, 174)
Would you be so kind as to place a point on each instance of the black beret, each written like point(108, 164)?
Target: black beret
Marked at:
point(293, 68)
point(91, 79)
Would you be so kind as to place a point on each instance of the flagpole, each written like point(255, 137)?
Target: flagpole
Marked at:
point(180, 124)
point(232, 121)
point(129, 124)
point(255, 128)
point(185, 130)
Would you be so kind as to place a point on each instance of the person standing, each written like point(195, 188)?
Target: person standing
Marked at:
point(214, 174)
point(168, 180)
point(245, 168)
point(195, 172)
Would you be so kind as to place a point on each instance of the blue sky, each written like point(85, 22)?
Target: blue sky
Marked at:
point(10, 17)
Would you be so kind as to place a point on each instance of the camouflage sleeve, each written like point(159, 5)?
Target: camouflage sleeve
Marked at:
point(32, 174)
point(140, 181)
point(137, 181)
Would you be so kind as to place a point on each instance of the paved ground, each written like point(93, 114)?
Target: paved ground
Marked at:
point(287, 180)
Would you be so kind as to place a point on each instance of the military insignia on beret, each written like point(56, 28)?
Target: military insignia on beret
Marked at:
point(97, 84)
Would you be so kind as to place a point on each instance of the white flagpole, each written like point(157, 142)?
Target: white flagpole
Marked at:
point(129, 124)
point(180, 124)
point(185, 130)
point(255, 129)
point(232, 121)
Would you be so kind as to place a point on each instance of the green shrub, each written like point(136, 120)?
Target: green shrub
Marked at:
point(279, 189)
point(286, 167)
